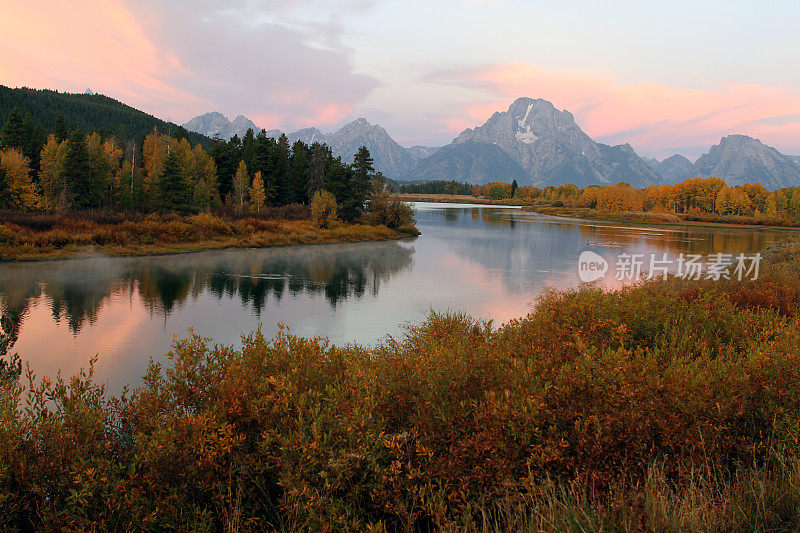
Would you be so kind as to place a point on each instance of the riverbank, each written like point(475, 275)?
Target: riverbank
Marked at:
point(42, 237)
point(455, 199)
point(665, 219)
point(671, 405)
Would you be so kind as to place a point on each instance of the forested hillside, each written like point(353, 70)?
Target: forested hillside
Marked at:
point(67, 170)
point(90, 112)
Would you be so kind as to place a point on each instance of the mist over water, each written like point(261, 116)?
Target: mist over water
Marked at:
point(487, 261)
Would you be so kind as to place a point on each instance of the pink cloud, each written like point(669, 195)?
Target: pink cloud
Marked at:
point(654, 117)
point(87, 43)
point(177, 62)
point(328, 114)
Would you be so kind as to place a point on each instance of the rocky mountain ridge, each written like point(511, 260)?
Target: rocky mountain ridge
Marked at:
point(536, 144)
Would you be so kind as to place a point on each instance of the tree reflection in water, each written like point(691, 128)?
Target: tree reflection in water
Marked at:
point(77, 289)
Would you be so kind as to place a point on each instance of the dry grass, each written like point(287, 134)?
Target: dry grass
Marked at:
point(36, 237)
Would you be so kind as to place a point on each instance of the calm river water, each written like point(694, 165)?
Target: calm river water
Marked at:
point(491, 262)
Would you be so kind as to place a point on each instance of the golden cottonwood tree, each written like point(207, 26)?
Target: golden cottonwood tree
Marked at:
point(51, 163)
point(21, 189)
point(241, 186)
point(155, 149)
point(258, 196)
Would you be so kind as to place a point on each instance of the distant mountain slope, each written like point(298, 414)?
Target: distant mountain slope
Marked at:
point(475, 162)
point(739, 159)
point(390, 158)
point(307, 135)
point(92, 112)
point(550, 147)
point(675, 168)
point(421, 152)
point(216, 124)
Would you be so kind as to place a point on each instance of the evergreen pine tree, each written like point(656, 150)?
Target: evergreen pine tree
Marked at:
point(175, 192)
point(298, 172)
point(236, 143)
point(227, 156)
point(34, 138)
point(359, 186)
point(281, 172)
point(76, 174)
point(180, 133)
point(514, 187)
point(264, 150)
point(315, 173)
point(249, 149)
point(13, 133)
point(60, 131)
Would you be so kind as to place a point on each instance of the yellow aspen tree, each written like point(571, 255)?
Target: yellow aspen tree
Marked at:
point(51, 162)
point(740, 202)
point(113, 154)
point(21, 189)
point(241, 186)
point(589, 197)
point(770, 207)
point(154, 150)
point(187, 160)
point(257, 194)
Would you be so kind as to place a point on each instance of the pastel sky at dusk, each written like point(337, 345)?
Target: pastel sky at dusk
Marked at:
point(666, 77)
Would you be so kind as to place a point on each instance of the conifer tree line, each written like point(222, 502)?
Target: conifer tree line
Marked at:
point(434, 187)
point(68, 170)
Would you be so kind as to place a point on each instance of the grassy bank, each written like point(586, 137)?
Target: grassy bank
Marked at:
point(455, 199)
point(668, 406)
point(672, 219)
point(25, 237)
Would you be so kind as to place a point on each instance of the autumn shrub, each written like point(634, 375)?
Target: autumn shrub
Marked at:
point(206, 225)
point(323, 208)
point(408, 229)
point(390, 211)
point(9, 233)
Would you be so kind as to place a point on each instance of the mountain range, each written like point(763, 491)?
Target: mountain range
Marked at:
point(217, 125)
point(534, 143)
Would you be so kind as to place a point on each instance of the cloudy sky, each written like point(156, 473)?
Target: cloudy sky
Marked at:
point(665, 76)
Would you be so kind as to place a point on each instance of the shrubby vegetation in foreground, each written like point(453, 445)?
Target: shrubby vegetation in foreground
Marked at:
point(672, 405)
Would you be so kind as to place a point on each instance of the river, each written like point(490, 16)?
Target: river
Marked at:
point(491, 262)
